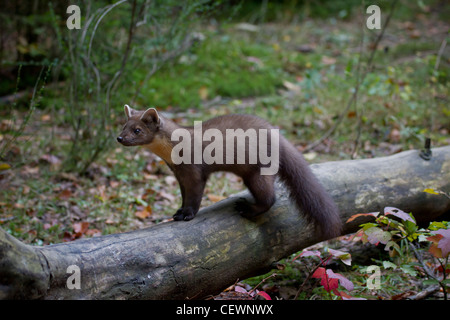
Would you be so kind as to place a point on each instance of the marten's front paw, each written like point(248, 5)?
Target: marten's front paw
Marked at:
point(185, 214)
point(178, 216)
point(243, 207)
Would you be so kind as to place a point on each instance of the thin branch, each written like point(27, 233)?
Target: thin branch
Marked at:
point(356, 89)
point(441, 51)
point(125, 56)
point(321, 263)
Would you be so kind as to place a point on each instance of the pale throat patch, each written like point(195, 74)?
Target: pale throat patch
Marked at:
point(161, 147)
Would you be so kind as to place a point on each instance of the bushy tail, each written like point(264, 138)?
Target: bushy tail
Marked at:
point(307, 192)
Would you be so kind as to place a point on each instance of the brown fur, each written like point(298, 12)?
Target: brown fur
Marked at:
point(155, 134)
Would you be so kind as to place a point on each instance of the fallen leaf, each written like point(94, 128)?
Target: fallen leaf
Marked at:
point(203, 93)
point(351, 114)
point(145, 213)
point(4, 166)
point(394, 135)
point(80, 227)
point(64, 194)
point(415, 34)
point(291, 86)
point(215, 198)
point(247, 27)
point(114, 184)
point(345, 296)
point(93, 232)
point(50, 159)
point(427, 190)
point(166, 195)
point(264, 295)
point(310, 156)
point(170, 180)
point(240, 289)
point(328, 60)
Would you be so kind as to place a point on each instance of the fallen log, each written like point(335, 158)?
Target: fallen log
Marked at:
point(194, 259)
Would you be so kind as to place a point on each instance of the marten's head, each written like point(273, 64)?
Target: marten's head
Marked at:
point(141, 127)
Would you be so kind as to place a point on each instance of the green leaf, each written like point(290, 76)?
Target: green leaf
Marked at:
point(368, 225)
point(388, 264)
point(430, 282)
point(376, 235)
point(436, 225)
point(408, 269)
point(446, 281)
point(391, 245)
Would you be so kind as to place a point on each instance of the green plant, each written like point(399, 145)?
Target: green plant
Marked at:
point(100, 60)
point(12, 125)
point(417, 252)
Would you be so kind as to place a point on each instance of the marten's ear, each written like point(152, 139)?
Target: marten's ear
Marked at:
point(129, 111)
point(151, 115)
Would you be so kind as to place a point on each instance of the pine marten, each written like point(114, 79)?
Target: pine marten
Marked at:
point(194, 152)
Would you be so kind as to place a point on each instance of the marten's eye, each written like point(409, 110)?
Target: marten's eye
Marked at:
point(137, 131)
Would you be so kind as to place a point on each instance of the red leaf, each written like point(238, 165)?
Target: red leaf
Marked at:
point(353, 217)
point(347, 284)
point(330, 280)
point(329, 284)
point(434, 250)
point(345, 296)
point(319, 273)
point(264, 295)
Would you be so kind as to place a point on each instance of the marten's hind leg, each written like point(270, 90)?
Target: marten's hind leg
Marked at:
point(262, 189)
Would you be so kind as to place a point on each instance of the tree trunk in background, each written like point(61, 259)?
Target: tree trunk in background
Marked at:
point(179, 260)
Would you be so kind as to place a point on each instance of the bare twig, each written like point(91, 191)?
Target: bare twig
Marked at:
point(125, 56)
point(262, 281)
point(356, 89)
point(441, 51)
point(321, 263)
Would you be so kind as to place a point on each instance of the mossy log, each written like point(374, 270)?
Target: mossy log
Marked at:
point(194, 259)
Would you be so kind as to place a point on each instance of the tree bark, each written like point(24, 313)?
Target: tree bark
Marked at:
point(194, 259)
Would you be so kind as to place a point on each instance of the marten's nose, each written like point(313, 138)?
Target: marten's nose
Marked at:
point(119, 139)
